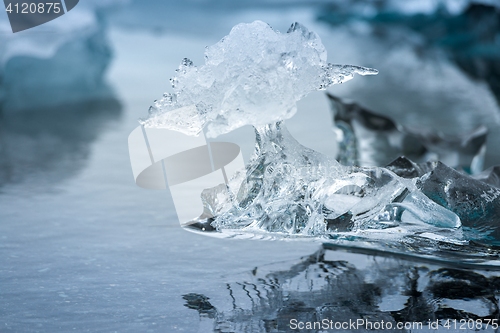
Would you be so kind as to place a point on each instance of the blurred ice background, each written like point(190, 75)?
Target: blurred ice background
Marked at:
point(82, 248)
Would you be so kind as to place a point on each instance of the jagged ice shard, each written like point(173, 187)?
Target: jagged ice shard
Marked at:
point(254, 76)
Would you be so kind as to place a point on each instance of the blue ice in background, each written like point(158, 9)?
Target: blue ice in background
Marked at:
point(54, 98)
point(83, 249)
point(40, 60)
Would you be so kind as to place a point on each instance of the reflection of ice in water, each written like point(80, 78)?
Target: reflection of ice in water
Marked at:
point(39, 151)
point(255, 76)
point(338, 287)
point(54, 100)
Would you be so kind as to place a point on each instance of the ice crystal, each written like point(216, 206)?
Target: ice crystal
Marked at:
point(293, 190)
point(253, 76)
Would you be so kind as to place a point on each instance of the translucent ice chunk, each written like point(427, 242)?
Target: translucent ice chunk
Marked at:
point(406, 168)
point(292, 190)
point(253, 76)
point(476, 202)
point(366, 138)
point(490, 176)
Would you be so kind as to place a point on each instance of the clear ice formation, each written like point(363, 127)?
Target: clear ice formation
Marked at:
point(294, 190)
point(475, 200)
point(255, 76)
point(366, 138)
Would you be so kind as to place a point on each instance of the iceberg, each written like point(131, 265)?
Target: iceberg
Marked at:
point(293, 190)
point(62, 62)
point(476, 200)
point(367, 138)
point(254, 76)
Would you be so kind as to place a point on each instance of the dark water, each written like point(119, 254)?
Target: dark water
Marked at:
point(83, 249)
point(351, 292)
